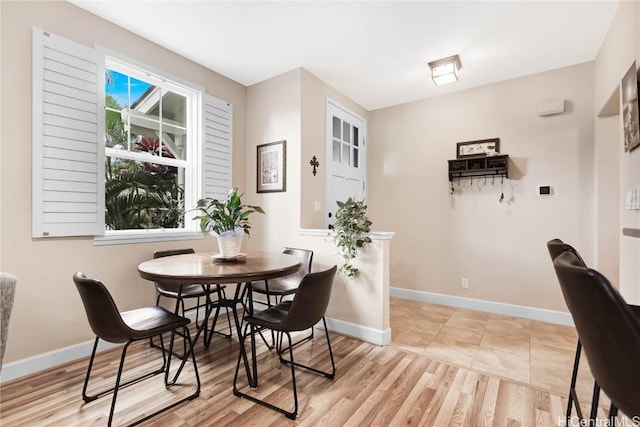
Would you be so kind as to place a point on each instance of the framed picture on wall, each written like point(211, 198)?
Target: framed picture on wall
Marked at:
point(629, 89)
point(481, 147)
point(272, 167)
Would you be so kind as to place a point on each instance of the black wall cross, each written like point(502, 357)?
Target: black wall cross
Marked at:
point(315, 164)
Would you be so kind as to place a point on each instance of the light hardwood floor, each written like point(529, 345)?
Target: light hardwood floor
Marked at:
point(433, 380)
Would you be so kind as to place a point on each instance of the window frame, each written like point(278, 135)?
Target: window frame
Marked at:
point(68, 144)
point(192, 165)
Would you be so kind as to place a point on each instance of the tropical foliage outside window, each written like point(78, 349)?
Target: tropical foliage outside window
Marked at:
point(145, 154)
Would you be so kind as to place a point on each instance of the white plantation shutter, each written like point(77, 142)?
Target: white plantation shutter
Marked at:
point(217, 148)
point(68, 151)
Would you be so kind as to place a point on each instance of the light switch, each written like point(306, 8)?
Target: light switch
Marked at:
point(317, 206)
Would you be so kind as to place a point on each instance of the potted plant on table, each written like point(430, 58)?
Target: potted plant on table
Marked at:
point(228, 220)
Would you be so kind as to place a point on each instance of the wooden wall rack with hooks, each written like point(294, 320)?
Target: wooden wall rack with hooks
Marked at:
point(479, 166)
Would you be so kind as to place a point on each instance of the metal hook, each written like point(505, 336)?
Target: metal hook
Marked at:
point(485, 180)
point(452, 189)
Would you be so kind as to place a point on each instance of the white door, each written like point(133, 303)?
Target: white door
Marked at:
point(345, 154)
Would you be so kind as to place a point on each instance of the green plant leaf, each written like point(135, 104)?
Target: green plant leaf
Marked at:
point(220, 216)
point(351, 227)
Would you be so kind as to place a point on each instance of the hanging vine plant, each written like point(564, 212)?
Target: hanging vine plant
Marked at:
point(351, 232)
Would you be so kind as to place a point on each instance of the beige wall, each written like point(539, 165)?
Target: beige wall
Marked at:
point(291, 107)
point(619, 49)
point(500, 247)
point(273, 114)
point(48, 314)
point(440, 238)
point(314, 99)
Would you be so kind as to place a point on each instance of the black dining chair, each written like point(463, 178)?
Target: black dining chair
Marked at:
point(556, 247)
point(609, 331)
point(213, 297)
point(281, 287)
point(110, 325)
point(307, 308)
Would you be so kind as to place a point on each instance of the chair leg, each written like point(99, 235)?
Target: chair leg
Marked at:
point(595, 400)
point(207, 339)
point(159, 295)
point(185, 331)
point(330, 374)
point(573, 398)
point(119, 386)
point(224, 297)
point(613, 414)
point(222, 302)
point(90, 398)
point(242, 356)
point(291, 415)
point(85, 397)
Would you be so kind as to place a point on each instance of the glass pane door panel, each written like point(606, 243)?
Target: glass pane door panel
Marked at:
point(345, 154)
point(356, 142)
point(346, 132)
point(336, 127)
point(336, 151)
point(355, 158)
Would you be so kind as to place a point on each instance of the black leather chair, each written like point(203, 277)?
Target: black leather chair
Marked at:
point(213, 296)
point(307, 308)
point(556, 247)
point(283, 286)
point(609, 331)
point(110, 325)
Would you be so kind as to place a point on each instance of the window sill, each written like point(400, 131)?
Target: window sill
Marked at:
point(375, 235)
point(145, 236)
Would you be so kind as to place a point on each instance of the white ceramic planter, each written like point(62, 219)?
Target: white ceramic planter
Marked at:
point(230, 242)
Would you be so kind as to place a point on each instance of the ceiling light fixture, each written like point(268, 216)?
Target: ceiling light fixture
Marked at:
point(445, 70)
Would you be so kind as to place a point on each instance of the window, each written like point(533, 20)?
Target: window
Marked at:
point(149, 150)
point(119, 152)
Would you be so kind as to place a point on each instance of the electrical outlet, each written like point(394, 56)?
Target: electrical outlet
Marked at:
point(465, 283)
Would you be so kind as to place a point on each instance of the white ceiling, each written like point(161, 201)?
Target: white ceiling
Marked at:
point(375, 52)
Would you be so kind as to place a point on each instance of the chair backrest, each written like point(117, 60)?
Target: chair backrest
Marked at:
point(7, 295)
point(171, 252)
point(306, 256)
point(557, 247)
point(102, 313)
point(172, 287)
point(310, 301)
point(608, 330)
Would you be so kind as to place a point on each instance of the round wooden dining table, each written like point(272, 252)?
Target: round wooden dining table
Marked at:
point(205, 268)
point(209, 269)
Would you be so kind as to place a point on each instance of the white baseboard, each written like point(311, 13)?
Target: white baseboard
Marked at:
point(364, 333)
point(551, 316)
point(33, 364)
point(40, 362)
